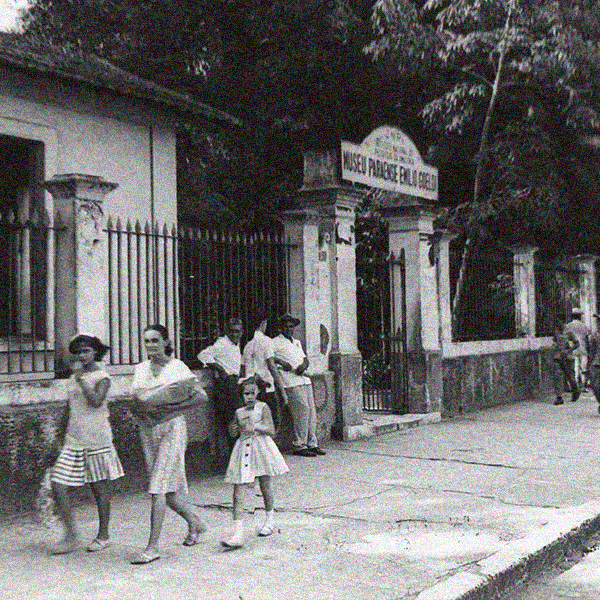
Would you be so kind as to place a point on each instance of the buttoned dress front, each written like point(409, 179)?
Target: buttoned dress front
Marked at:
point(254, 454)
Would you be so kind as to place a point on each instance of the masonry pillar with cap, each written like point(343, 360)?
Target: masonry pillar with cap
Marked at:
point(323, 276)
point(80, 278)
point(524, 279)
point(410, 223)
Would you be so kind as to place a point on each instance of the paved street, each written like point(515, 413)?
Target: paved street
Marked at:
point(386, 517)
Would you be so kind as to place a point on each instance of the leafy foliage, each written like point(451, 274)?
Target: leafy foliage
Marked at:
point(515, 85)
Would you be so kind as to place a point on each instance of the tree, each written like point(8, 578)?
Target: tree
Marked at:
point(516, 81)
point(292, 70)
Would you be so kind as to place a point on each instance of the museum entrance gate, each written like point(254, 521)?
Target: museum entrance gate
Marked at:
point(381, 321)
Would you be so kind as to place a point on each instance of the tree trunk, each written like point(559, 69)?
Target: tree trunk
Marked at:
point(473, 233)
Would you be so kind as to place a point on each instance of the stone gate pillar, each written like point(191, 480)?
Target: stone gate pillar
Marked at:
point(323, 282)
point(410, 223)
point(524, 278)
point(80, 278)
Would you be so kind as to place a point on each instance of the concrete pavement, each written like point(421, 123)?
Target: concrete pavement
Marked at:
point(442, 511)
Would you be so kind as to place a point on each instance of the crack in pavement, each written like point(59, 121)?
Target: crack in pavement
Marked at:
point(438, 459)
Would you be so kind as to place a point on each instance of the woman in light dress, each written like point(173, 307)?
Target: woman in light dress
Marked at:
point(160, 383)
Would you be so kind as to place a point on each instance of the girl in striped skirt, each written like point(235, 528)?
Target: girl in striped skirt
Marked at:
point(88, 454)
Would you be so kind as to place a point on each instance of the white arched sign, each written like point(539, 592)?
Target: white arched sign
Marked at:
point(389, 160)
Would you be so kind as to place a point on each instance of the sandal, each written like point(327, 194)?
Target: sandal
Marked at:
point(97, 544)
point(193, 536)
point(143, 558)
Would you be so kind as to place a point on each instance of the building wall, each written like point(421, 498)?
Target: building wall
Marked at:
point(479, 381)
point(97, 133)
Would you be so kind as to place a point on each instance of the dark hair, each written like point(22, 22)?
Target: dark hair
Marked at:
point(164, 333)
point(247, 381)
point(258, 318)
point(88, 341)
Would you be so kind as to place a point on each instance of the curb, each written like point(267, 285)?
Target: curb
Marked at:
point(522, 558)
point(388, 424)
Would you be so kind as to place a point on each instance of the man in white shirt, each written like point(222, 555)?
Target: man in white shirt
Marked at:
point(292, 361)
point(578, 328)
point(225, 359)
point(258, 360)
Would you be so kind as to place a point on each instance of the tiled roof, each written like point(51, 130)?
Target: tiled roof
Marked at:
point(73, 65)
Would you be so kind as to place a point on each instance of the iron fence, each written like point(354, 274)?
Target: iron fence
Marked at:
point(381, 320)
point(27, 301)
point(557, 292)
point(225, 274)
point(487, 309)
point(192, 281)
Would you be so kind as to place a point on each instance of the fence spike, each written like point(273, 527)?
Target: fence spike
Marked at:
point(129, 227)
point(138, 227)
point(165, 231)
point(109, 224)
point(147, 228)
point(118, 225)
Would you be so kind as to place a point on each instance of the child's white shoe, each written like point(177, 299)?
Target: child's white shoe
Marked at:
point(235, 541)
point(265, 530)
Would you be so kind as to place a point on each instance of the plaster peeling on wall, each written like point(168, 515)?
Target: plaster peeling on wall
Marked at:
point(343, 234)
point(89, 219)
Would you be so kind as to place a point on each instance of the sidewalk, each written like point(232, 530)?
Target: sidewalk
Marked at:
point(432, 512)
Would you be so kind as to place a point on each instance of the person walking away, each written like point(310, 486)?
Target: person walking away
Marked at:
point(564, 342)
point(580, 354)
point(159, 380)
point(594, 361)
point(258, 360)
point(88, 454)
point(254, 456)
point(225, 360)
point(291, 359)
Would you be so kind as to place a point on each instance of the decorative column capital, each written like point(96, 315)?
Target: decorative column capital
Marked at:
point(80, 187)
point(586, 259)
point(523, 249)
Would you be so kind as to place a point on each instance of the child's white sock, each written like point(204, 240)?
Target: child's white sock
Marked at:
point(270, 518)
point(237, 539)
point(238, 529)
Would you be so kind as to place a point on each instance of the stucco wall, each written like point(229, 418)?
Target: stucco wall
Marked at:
point(478, 381)
point(95, 133)
point(30, 422)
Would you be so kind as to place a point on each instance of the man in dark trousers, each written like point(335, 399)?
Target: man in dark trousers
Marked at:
point(225, 359)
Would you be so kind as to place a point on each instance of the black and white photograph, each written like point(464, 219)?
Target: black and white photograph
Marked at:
point(300, 299)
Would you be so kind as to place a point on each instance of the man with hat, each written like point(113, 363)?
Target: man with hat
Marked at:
point(292, 361)
point(582, 334)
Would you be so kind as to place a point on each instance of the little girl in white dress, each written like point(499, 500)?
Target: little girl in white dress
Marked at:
point(254, 455)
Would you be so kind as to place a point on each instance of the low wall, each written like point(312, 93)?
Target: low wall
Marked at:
point(479, 380)
point(30, 422)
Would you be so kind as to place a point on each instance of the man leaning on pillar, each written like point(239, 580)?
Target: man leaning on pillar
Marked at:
point(291, 359)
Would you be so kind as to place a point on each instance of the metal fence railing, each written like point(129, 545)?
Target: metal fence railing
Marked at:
point(487, 309)
point(190, 280)
point(27, 300)
point(557, 292)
